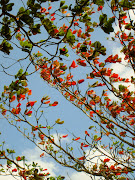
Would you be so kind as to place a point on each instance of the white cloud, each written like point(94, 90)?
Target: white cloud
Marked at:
point(7, 177)
point(79, 176)
point(33, 155)
point(95, 157)
point(123, 70)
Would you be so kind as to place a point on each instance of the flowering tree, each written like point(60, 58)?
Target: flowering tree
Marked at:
point(35, 27)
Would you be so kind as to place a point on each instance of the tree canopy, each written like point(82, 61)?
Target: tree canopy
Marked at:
point(80, 49)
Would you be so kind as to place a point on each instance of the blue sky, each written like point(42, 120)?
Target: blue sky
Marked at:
point(74, 120)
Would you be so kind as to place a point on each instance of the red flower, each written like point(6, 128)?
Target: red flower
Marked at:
point(44, 169)
point(100, 8)
point(14, 170)
point(82, 158)
point(41, 136)
point(42, 10)
point(30, 92)
point(132, 122)
point(56, 31)
point(112, 167)
point(73, 65)
point(30, 103)
point(41, 155)
point(86, 145)
point(106, 160)
point(121, 152)
point(46, 13)
point(12, 98)
point(50, 8)
point(77, 139)
point(18, 158)
point(53, 18)
point(74, 31)
point(21, 96)
point(4, 112)
point(64, 136)
point(123, 133)
point(98, 139)
point(73, 83)
point(114, 75)
point(52, 14)
point(16, 111)
point(118, 173)
point(54, 104)
point(18, 105)
point(80, 81)
point(47, 102)
point(91, 112)
point(28, 113)
point(110, 126)
point(82, 63)
point(86, 132)
point(35, 128)
point(76, 24)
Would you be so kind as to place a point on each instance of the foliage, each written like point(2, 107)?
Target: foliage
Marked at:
point(48, 32)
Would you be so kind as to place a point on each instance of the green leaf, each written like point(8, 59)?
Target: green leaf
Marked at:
point(70, 38)
point(49, 26)
point(64, 7)
point(125, 3)
point(9, 6)
point(102, 19)
point(5, 46)
point(95, 84)
point(3, 2)
point(91, 127)
point(83, 48)
point(21, 10)
point(9, 162)
point(122, 88)
point(6, 32)
point(62, 3)
point(30, 2)
point(106, 25)
point(99, 2)
point(102, 65)
point(95, 137)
